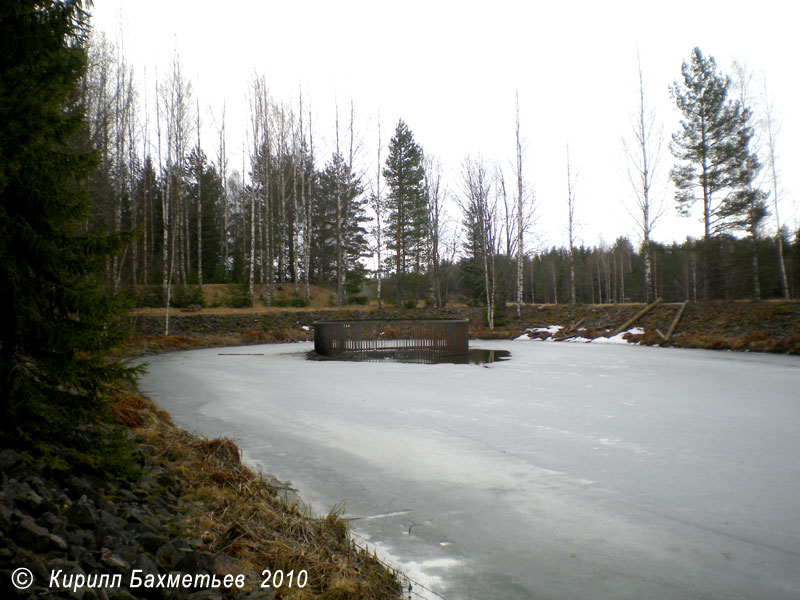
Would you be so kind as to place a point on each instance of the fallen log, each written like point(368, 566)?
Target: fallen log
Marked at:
point(570, 332)
point(636, 317)
point(675, 321)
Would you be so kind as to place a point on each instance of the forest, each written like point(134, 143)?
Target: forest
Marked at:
point(393, 233)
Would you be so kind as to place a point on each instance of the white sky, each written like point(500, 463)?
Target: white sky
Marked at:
point(451, 69)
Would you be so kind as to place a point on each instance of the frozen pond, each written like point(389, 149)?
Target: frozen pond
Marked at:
point(570, 471)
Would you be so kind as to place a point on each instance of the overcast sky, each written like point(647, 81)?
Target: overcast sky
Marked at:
point(451, 70)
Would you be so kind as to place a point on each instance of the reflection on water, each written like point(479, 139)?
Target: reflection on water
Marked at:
point(476, 356)
point(481, 357)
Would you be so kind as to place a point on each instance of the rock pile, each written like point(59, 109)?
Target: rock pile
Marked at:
point(74, 533)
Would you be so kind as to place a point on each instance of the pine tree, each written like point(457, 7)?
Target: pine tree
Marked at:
point(338, 184)
point(406, 203)
point(56, 321)
point(712, 147)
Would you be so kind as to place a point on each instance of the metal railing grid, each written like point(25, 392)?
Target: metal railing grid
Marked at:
point(422, 340)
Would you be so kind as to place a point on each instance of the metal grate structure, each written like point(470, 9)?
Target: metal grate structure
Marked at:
point(428, 340)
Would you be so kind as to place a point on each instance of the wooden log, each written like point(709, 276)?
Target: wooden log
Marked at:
point(570, 332)
point(636, 317)
point(567, 337)
point(675, 321)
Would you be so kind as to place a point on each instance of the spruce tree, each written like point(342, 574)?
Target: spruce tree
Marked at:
point(712, 147)
point(406, 203)
point(56, 322)
point(338, 183)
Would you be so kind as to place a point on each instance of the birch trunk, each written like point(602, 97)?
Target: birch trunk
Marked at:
point(199, 206)
point(378, 241)
point(771, 135)
point(571, 227)
point(307, 205)
point(520, 249)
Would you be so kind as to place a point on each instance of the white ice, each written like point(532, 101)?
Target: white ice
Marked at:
point(569, 471)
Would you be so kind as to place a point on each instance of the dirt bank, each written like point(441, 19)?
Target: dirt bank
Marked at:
point(753, 326)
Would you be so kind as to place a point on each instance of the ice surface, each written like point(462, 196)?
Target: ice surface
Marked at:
point(569, 471)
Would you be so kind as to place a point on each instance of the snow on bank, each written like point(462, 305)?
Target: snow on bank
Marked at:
point(619, 338)
point(550, 331)
point(534, 335)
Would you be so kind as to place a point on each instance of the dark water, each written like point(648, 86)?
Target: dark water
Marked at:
point(475, 356)
point(479, 356)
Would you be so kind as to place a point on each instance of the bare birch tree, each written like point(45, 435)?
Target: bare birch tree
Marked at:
point(222, 165)
point(307, 204)
point(304, 201)
point(571, 228)
point(755, 199)
point(252, 220)
point(480, 214)
point(377, 206)
point(166, 273)
point(643, 158)
point(520, 211)
point(435, 198)
point(772, 133)
point(199, 205)
point(339, 225)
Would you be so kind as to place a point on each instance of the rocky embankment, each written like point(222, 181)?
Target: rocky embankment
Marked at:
point(196, 524)
point(82, 537)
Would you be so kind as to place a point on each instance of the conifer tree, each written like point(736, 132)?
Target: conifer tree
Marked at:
point(712, 147)
point(406, 203)
point(339, 188)
point(56, 322)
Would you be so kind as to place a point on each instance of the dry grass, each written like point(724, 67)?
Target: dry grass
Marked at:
point(238, 513)
point(139, 345)
point(484, 333)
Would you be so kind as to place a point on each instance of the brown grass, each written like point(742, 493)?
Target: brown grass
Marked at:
point(753, 342)
point(237, 512)
point(484, 333)
point(139, 345)
point(128, 409)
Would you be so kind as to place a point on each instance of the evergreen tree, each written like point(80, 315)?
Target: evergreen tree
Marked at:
point(406, 202)
point(56, 322)
point(712, 147)
point(338, 181)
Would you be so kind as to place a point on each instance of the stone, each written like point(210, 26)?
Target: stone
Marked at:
point(9, 459)
point(32, 561)
point(58, 542)
point(30, 535)
point(146, 564)
point(196, 561)
point(83, 487)
point(5, 518)
point(150, 542)
point(113, 561)
point(168, 556)
point(83, 513)
point(81, 538)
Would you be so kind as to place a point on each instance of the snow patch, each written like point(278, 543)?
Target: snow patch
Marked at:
point(552, 329)
point(620, 337)
point(531, 333)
